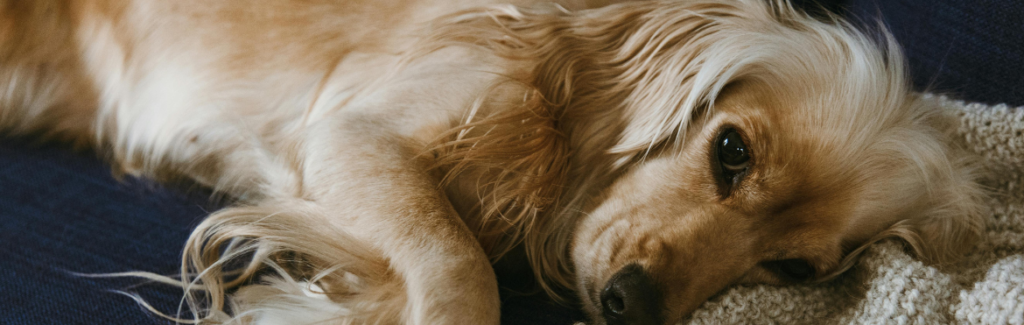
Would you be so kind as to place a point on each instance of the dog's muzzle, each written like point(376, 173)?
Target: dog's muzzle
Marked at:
point(631, 298)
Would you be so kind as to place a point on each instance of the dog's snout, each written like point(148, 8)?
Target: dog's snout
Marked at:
point(631, 297)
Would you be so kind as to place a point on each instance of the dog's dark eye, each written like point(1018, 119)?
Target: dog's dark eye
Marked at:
point(733, 154)
point(792, 269)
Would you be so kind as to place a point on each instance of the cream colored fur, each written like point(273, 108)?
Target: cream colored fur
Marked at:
point(384, 153)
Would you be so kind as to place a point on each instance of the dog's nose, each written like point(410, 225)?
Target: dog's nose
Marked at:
point(631, 297)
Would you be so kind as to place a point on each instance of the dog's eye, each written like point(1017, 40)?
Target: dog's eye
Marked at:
point(792, 269)
point(733, 154)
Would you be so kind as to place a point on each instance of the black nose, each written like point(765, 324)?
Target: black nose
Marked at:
point(630, 297)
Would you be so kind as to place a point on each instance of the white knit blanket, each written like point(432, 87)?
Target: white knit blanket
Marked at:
point(888, 286)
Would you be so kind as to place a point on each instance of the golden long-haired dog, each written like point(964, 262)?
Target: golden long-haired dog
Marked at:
point(384, 153)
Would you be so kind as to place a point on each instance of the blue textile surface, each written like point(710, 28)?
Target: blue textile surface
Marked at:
point(62, 213)
point(970, 49)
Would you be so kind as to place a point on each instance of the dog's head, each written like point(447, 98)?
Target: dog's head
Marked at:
point(722, 142)
point(764, 147)
point(776, 183)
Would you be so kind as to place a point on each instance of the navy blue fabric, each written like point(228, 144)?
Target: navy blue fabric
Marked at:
point(970, 49)
point(63, 213)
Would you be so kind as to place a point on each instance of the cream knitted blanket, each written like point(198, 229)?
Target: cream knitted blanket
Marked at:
point(891, 287)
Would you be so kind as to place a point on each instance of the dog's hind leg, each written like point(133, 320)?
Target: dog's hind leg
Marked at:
point(43, 89)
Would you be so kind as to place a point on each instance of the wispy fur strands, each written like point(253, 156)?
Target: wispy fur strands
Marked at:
point(40, 96)
point(308, 271)
point(516, 159)
point(949, 220)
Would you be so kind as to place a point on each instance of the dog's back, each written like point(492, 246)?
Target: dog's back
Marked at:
point(166, 88)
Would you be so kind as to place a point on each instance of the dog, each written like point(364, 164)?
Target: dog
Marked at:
point(383, 154)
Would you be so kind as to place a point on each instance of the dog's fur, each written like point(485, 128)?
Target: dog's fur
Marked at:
point(384, 153)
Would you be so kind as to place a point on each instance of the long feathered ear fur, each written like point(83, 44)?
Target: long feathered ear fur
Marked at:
point(604, 86)
point(953, 221)
point(947, 219)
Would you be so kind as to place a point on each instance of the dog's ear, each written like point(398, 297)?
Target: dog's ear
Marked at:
point(668, 63)
point(665, 65)
point(951, 221)
point(944, 232)
point(651, 64)
point(947, 219)
point(943, 203)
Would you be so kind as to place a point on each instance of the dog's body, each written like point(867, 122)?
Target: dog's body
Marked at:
point(384, 152)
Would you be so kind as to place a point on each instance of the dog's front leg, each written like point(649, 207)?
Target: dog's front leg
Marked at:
point(369, 181)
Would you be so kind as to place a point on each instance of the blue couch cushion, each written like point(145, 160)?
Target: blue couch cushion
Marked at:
point(970, 49)
point(62, 213)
